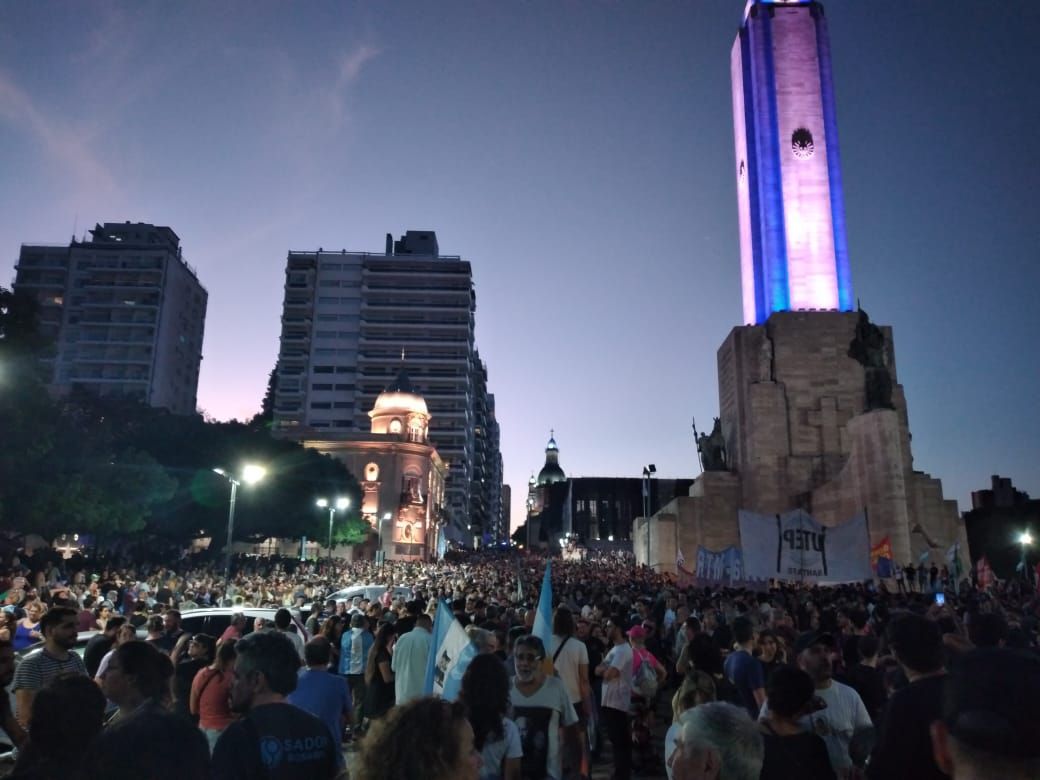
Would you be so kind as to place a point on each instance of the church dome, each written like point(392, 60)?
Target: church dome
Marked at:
point(399, 398)
point(551, 471)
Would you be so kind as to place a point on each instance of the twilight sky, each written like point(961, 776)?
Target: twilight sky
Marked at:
point(580, 155)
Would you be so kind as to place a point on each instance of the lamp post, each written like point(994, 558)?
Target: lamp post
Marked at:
point(380, 555)
point(251, 474)
point(648, 471)
point(1025, 539)
point(340, 503)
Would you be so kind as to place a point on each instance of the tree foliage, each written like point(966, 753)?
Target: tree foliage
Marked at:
point(83, 464)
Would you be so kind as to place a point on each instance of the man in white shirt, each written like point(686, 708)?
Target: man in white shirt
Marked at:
point(845, 713)
point(616, 699)
point(540, 707)
point(411, 653)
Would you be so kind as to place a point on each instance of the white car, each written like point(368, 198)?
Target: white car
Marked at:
point(214, 620)
point(370, 592)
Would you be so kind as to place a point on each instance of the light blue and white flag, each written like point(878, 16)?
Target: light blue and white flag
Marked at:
point(449, 643)
point(542, 627)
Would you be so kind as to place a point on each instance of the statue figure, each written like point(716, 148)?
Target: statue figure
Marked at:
point(868, 349)
point(712, 448)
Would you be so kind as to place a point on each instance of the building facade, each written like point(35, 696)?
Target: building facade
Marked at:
point(125, 312)
point(402, 476)
point(349, 318)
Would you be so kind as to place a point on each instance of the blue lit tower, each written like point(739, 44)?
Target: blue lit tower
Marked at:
point(792, 215)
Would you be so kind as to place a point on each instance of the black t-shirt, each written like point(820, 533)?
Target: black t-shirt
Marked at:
point(802, 756)
point(278, 742)
point(97, 646)
point(904, 744)
point(184, 676)
point(867, 682)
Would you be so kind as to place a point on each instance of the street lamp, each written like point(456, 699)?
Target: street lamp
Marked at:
point(1025, 539)
point(380, 555)
point(340, 503)
point(251, 474)
point(648, 471)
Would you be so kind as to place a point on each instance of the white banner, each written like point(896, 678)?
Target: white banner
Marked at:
point(793, 546)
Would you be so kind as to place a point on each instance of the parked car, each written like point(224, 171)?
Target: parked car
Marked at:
point(214, 620)
point(370, 592)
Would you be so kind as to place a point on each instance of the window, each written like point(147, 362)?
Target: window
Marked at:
point(321, 404)
point(342, 405)
point(323, 369)
point(395, 426)
point(321, 386)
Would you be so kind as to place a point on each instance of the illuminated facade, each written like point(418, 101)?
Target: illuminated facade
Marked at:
point(791, 211)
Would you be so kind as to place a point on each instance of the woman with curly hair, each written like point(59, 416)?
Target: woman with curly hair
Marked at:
point(485, 692)
point(428, 738)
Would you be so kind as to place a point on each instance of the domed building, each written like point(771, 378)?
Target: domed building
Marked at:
point(402, 476)
point(551, 471)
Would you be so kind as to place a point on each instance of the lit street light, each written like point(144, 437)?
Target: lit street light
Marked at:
point(1025, 539)
point(341, 503)
point(251, 474)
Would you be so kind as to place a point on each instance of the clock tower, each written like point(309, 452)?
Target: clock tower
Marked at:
point(791, 212)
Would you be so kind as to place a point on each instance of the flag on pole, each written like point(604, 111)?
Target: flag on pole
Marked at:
point(923, 558)
point(680, 560)
point(446, 650)
point(542, 627)
point(881, 558)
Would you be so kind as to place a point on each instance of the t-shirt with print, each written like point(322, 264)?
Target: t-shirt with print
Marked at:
point(275, 741)
point(494, 753)
point(538, 718)
point(617, 693)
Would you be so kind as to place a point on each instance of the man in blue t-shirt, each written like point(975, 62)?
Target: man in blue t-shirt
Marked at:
point(744, 670)
point(322, 694)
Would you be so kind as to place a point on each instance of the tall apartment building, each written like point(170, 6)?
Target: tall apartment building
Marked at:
point(124, 311)
point(351, 318)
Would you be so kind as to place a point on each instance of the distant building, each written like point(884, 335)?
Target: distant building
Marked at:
point(125, 312)
point(349, 317)
point(598, 512)
point(995, 524)
point(400, 472)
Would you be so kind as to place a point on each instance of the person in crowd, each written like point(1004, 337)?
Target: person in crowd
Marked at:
point(990, 717)
point(541, 708)
point(138, 675)
point(866, 679)
point(67, 715)
point(696, 688)
point(152, 743)
point(27, 632)
point(616, 673)
point(210, 693)
point(379, 676)
point(8, 722)
point(684, 660)
point(571, 662)
point(99, 644)
point(236, 628)
point(172, 631)
point(770, 652)
point(332, 630)
point(904, 747)
point(844, 717)
point(717, 741)
point(125, 633)
point(706, 657)
point(427, 738)
point(283, 622)
point(790, 750)
point(324, 695)
point(743, 670)
point(58, 627)
point(156, 632)
point(486, 694)
point(190, 655)
point(273, 739)
point(353, 657)
point(411, 653)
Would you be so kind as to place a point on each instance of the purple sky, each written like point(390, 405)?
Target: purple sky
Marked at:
point(580, 154)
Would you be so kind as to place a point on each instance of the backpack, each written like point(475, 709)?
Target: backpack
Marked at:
point(645, 680)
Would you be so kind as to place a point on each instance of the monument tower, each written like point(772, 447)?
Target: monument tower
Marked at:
point(811, 413)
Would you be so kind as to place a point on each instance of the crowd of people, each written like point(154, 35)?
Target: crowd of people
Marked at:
point(784, 682)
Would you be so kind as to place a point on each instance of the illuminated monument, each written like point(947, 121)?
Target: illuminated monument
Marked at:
point(811, 412)
point(791, 213)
